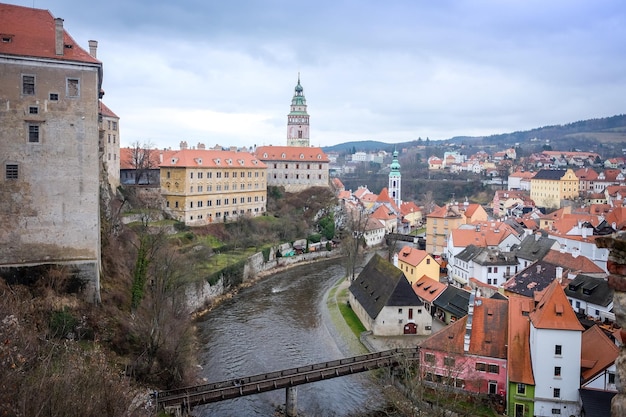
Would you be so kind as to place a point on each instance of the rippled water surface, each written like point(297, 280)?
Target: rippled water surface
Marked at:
point(276, 324)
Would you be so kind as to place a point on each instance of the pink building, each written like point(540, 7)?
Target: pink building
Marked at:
point(470, 354)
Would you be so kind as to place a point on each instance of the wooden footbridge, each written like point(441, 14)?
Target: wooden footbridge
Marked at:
point(180, 401)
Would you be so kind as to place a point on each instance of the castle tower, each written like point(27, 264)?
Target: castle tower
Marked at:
point(298, 119)
point(395, 180)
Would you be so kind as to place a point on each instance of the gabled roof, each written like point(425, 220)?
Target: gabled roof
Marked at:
point(381, 284)
point(450, 339)
point(453, 300)
point(586, 174)
point(554, 311)
point(291, 154)
point(105, 111)
point(618, 216)
point(383, 213)
point(413, 256)
point(373, 224)
point(481, 235)
point(534, 247)
point(361, 192)
point(428, 289)
point(32, 33)
point(591, 289)
point(598, 352)
point(519, 363)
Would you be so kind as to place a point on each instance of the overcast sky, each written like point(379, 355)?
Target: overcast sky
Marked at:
point(224, 72)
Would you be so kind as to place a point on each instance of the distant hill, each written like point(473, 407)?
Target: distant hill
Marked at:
point(606, 136)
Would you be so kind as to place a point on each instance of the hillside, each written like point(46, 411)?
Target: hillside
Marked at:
point(606, 136)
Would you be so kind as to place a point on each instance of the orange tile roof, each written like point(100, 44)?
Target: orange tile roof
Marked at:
point(586, 174)
point(489, 335)
point(428, 289)
point(383, 213)
point(573, 263)
point(32, 33)
point(598, 352)
point(373, 224)
point(208, 158)
point(361, 192)
point(292, 154)
point(522, 174)
point(105, 111)
point(338, 184)
point(343, 195)
point(412, 256)
point(519, 363)
point(618, 216)
point(408, 207)
point(554, 311)
point(483, 238)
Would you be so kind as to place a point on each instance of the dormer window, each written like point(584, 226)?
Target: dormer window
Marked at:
point(174, 160)
point(6, 38)
point(301, 156)
point(229, 161)
point(217, 161)
point(319, 156)
point(199, 161)
point(283, 156)
point(265, 155)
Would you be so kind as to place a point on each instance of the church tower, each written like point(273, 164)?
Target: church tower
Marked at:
point(298, 119)
point(395, 180)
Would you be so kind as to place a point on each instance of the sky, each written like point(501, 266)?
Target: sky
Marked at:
point(224, 72)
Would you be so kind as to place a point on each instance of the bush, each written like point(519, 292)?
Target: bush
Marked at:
point(62, 323)
point(314, 238)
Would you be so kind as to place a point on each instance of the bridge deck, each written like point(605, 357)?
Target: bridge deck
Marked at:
point(218, 391)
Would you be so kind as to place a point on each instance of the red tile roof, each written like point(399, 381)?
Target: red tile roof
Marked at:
point(428, 289)
point(598, 352)
point(105, 111)
point(126, 158)
point(409, 207)
point(519, 363)
point(33, 32)
point(489, 335)
point(383, 213)
point(205, 158)
point(572, 263)
point(554, 311)
point(412, 256)
point(292, 154)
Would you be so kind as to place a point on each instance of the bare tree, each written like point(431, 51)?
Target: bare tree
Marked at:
point(142, 160)
point(353, 239)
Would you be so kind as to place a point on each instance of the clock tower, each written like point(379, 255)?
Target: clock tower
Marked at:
point(395, 180)
point(298, 119)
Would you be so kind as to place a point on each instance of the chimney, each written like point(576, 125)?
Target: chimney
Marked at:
point(58, 36)
point(559, 274)
point(183, 144)
point(93, 48)
point(468, 324)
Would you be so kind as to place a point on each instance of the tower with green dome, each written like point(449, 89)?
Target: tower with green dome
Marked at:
point(395, 180)
point(298, 119)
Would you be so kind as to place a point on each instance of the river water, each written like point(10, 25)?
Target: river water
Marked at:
point(282, 322)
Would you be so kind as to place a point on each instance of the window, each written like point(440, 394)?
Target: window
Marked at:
point(33, 133)
point(114, 125)
point(11, 172)
point(556, 392)
point(481, 366)
point(519, 410)
point(556, 411)
point(557, 371)
point(427, 261)
point(429, 357)
point(28, 85)
point(493, 369)
point(73, 87)
point(448, 361)
point(611, 378)
point(54, 97)
point(399, 311)
point(521, 389)
point(33, 110)
point(557, 350)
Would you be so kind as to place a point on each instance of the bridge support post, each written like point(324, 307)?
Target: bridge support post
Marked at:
point(291, 402)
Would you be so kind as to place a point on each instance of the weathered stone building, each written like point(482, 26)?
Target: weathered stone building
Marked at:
point(110, 143)
point(49, 155)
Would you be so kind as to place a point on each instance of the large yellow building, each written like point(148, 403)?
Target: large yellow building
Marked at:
point(550, 186)
point(204, 186)
point(443, 220)
point(416, 263)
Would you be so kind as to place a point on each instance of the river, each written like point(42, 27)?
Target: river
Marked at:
point(282, 322)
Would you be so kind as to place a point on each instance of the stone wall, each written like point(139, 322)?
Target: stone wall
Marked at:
point(617, 280)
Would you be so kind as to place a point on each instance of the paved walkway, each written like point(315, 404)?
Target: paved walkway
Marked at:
point(380, 343)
